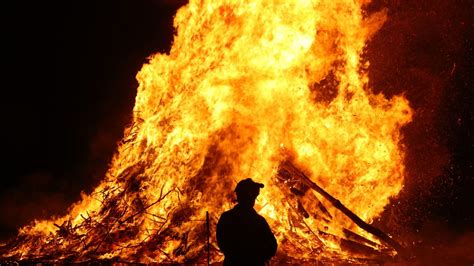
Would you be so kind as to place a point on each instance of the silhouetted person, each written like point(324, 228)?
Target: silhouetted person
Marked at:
point(242, 234)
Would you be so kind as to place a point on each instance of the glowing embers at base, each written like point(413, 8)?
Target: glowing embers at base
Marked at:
point(238, 94)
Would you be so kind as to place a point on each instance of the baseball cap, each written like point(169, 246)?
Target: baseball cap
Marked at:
point(248, 184)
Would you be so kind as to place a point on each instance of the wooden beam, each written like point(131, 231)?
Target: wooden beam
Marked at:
point(295, 172)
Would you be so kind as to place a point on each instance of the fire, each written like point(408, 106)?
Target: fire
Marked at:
point(246, 86)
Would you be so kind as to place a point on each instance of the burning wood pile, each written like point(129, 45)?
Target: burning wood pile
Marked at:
point(107, 229)
point(242, 91)
point(298, 184)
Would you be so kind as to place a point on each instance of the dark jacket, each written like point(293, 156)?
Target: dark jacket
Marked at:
point(245, 237)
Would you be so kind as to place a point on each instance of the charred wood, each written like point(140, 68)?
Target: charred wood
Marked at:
point(287, 169)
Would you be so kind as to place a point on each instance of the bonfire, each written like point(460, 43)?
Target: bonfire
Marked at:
point(272, 90)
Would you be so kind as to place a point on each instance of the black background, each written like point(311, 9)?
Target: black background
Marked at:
point(68, 88)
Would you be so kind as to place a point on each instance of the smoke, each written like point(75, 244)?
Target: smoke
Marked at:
point(34, 198)
point(437, 243)
point(425, 51)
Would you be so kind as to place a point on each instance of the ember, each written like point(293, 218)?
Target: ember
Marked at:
point(242, 94)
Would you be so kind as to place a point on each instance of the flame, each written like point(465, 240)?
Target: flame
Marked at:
point(245, 86)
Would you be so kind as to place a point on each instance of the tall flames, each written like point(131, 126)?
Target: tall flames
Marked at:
point(246, 86)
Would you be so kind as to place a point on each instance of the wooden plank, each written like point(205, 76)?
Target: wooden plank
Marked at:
point(295, 172)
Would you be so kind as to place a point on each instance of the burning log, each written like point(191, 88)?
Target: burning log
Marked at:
point(358, 238)
point(356, 247)
point(287, 169)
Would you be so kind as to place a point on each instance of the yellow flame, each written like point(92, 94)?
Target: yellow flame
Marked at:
point(236, 94)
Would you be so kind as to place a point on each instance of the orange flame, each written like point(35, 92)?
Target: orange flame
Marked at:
point(245, 85)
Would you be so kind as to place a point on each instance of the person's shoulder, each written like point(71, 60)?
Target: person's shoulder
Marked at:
point(228, 214)
point(261, 219)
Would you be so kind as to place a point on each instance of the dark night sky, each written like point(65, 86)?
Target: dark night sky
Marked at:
point(68, 88)
point(67, 95)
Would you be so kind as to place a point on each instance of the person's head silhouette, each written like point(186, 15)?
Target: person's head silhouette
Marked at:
point(247, 191)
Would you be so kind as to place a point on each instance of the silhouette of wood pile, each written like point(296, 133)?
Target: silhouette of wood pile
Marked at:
point(298, 183)
point(115, 222)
